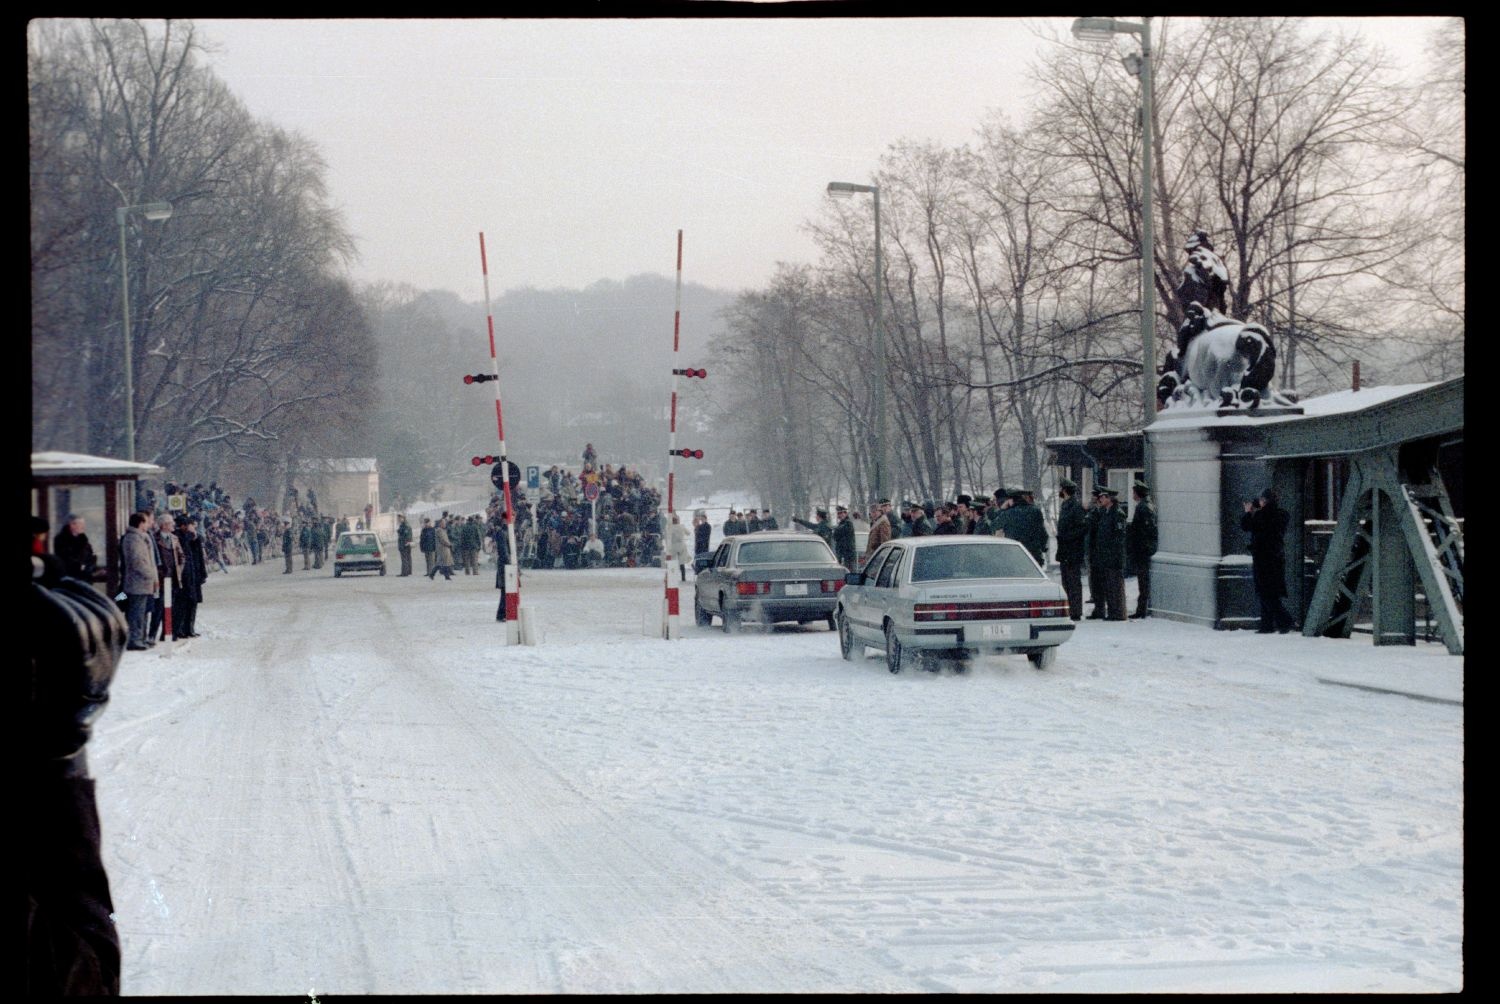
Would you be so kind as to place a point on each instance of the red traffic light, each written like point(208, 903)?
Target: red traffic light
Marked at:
point(479, 377)
point(478, 461)
point(695, 454)
point(691, 372)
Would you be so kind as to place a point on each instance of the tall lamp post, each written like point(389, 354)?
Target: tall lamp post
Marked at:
point(844, 190)
point(152, 211)
point(1104, 29)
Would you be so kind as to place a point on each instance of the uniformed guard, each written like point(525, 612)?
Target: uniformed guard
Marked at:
point(1070, 540)
point(844, 539)
point(1107, 554)
point(1140, 545)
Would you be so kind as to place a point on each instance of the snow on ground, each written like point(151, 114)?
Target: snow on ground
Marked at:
point(350, 786)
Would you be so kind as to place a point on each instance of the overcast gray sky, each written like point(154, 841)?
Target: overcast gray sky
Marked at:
point(580, 147)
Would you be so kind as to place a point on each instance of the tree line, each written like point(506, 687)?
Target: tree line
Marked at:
point(1012, 263)
point(247, 344)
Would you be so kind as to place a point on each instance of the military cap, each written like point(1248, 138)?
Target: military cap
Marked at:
point(842, 508)
point(1098, 490)
point(884, 502)
point(1111, 492)
point(1140, 485)
point(822, 512)
point(1065, 483)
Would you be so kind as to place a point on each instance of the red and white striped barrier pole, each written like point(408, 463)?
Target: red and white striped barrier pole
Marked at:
point(670, 610)
point(512, 571)
point(166, 613)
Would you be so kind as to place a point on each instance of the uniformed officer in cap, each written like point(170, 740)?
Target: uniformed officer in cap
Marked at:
point(1070, 540)
point(921, 525)
point(1025, 524)
point(1140, 545)
point(1091, 520)
point(1107, 555)
point(821, 527)
point(843, 539)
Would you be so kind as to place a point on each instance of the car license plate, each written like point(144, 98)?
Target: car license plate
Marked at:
point(991, 632)
point(796, 589)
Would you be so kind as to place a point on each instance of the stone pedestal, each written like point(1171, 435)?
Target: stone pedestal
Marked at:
point(1205, 470)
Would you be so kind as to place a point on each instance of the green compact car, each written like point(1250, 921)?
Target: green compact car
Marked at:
point(358, 551)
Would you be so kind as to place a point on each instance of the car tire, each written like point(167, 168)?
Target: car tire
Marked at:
point(335, 573)
point(700, 616)
point(832, 623)
point(847, 644)
point(1044, 658)
point(895, 656)
point(731, 618)
point(382, 569)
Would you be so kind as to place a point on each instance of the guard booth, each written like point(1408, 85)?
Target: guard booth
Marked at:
point(1378, 490)
point(101, 490)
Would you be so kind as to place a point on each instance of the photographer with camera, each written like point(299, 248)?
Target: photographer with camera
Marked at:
point(75, 642)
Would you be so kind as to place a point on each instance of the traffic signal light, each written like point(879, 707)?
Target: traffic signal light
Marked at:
point(477, 461)
point(479, 377)
point(691, 372)
point(695, 454)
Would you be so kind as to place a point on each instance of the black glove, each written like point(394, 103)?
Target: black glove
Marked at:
point(77, 636)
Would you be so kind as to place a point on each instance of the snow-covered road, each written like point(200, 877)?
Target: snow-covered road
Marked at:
point(348, 786)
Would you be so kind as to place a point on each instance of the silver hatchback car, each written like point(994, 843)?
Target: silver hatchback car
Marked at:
point(768, 576)
point(925, 598)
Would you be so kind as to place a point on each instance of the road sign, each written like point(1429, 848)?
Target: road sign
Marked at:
point(533, 477)
point(591, 491)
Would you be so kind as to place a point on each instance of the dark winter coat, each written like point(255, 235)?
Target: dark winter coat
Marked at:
point(702, 534)
point(1141, 536)
point(76, 554)
point(844, 540)
point(821, 528)
point(1026, 525)
point(428, 540)
point(305, 537)
point(1106, 544)
point(194, 566)
point(403, 535)
point(1267, 528)
point(286, 540)
point(1071, 530)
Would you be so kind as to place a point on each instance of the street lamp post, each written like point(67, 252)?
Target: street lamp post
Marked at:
point(1104, 29)
point(151, 211)
point(843, 190)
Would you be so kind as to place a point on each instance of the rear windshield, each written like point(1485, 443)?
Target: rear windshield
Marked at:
point(973, 561)
point(359, 542)
point(785, 552)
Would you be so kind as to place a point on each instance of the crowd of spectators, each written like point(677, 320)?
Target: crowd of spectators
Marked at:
point(555, 532)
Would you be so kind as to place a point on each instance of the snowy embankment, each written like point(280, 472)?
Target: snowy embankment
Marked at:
point(350, 786)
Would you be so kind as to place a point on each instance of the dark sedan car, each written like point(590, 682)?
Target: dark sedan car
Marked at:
point(768, 576)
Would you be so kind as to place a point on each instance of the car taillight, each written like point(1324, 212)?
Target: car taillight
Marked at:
point(752, 588)
point(377, 554)
point(832, 585)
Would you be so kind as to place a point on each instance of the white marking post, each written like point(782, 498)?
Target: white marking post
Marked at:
point(670, 629)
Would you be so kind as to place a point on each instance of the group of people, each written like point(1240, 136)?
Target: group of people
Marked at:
point(158, 549)
point(626, 534)
point(1101, 538)
point(453, 538)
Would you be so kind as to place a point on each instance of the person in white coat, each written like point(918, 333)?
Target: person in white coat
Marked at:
point(682, 546)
